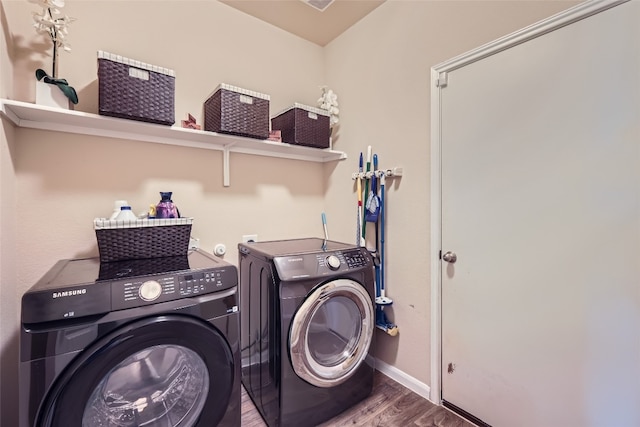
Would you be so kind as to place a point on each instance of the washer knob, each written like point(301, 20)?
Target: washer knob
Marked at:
point(150, 290)
point(333, 262)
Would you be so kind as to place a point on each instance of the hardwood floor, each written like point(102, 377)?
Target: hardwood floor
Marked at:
point(390, 405)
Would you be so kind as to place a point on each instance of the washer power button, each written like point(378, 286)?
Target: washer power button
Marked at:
point(150, 290)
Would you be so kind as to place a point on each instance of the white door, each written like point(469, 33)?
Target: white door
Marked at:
point(540, 175)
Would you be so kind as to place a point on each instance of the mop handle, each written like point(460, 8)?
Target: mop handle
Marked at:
point(382, 209)
point(366, 188)
point(375, 167)
point(359, 190)
point(324, 225)
point(358, 226)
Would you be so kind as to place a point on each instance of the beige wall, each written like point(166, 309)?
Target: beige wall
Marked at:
point(54, 184)
point(9, 310)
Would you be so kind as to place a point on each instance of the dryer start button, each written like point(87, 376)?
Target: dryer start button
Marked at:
point(150, 290)
point(333, 262)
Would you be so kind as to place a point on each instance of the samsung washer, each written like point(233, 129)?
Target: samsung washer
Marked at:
point(307, 323)
point(131, 343)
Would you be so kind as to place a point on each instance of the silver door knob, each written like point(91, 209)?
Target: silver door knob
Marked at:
point(450, 257)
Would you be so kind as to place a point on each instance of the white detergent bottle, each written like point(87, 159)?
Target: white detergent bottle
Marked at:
point(126, 214)
point(116, 208)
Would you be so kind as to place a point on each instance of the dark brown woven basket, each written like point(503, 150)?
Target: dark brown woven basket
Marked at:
point(119, 244)
point(142, 267)
point(302, 125)
point(125, 96)
point(237, 111)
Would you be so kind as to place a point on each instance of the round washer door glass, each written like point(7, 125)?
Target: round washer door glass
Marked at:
point(160, 385)
point(331, 333)
point(168, 370)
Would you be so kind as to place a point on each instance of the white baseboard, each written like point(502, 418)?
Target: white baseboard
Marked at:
point(406, 380)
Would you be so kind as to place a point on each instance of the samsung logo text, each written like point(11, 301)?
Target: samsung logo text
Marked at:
point(69, 293)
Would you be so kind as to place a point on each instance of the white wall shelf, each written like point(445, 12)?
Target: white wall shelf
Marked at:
point(27, 115)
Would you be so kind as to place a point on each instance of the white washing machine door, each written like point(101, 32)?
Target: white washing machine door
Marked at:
point(331, 332)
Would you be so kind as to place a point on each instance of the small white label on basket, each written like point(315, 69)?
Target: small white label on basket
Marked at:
point(246, 99)
point(312, 116)
point(138, 73)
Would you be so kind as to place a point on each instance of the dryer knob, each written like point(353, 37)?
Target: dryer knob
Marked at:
point(333, 262)
point(150, 290)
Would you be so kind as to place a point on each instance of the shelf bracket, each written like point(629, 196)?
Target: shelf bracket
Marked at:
point(225, 164)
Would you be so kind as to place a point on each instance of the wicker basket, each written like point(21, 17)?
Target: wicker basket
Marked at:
point(142, 239)
point(131, 89)
point(236, 111)
point(303, 125)
point(142, 267)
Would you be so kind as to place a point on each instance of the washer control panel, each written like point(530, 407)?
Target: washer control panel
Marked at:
point(139, 291)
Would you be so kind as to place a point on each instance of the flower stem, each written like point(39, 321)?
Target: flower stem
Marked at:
point(54, 39)
point(55, 54)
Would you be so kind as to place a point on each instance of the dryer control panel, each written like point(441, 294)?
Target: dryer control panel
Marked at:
point(355, 259)
point(322, 263)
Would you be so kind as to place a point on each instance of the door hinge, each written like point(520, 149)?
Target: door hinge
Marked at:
point(440, 254)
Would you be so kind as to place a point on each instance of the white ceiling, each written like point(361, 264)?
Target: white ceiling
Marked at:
point(305, 21)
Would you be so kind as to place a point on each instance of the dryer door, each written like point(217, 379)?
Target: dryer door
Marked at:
point(160, 371)
point(331, 332)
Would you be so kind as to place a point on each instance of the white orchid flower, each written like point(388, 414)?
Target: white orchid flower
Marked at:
point(46, 4)
point(43, 19)
point(52, 22)
point(329, 102)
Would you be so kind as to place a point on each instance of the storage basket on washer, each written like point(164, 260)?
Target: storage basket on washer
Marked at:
point(303, 125)
point(142, 267)
point(143, 238)
point(236, 111)
point(131, 89)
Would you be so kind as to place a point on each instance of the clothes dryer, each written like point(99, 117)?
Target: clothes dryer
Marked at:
point(307, 322)
point(146, 342)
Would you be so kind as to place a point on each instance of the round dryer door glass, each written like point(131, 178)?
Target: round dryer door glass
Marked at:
point(334, 331)
point(331, 333)
point(163, 385)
